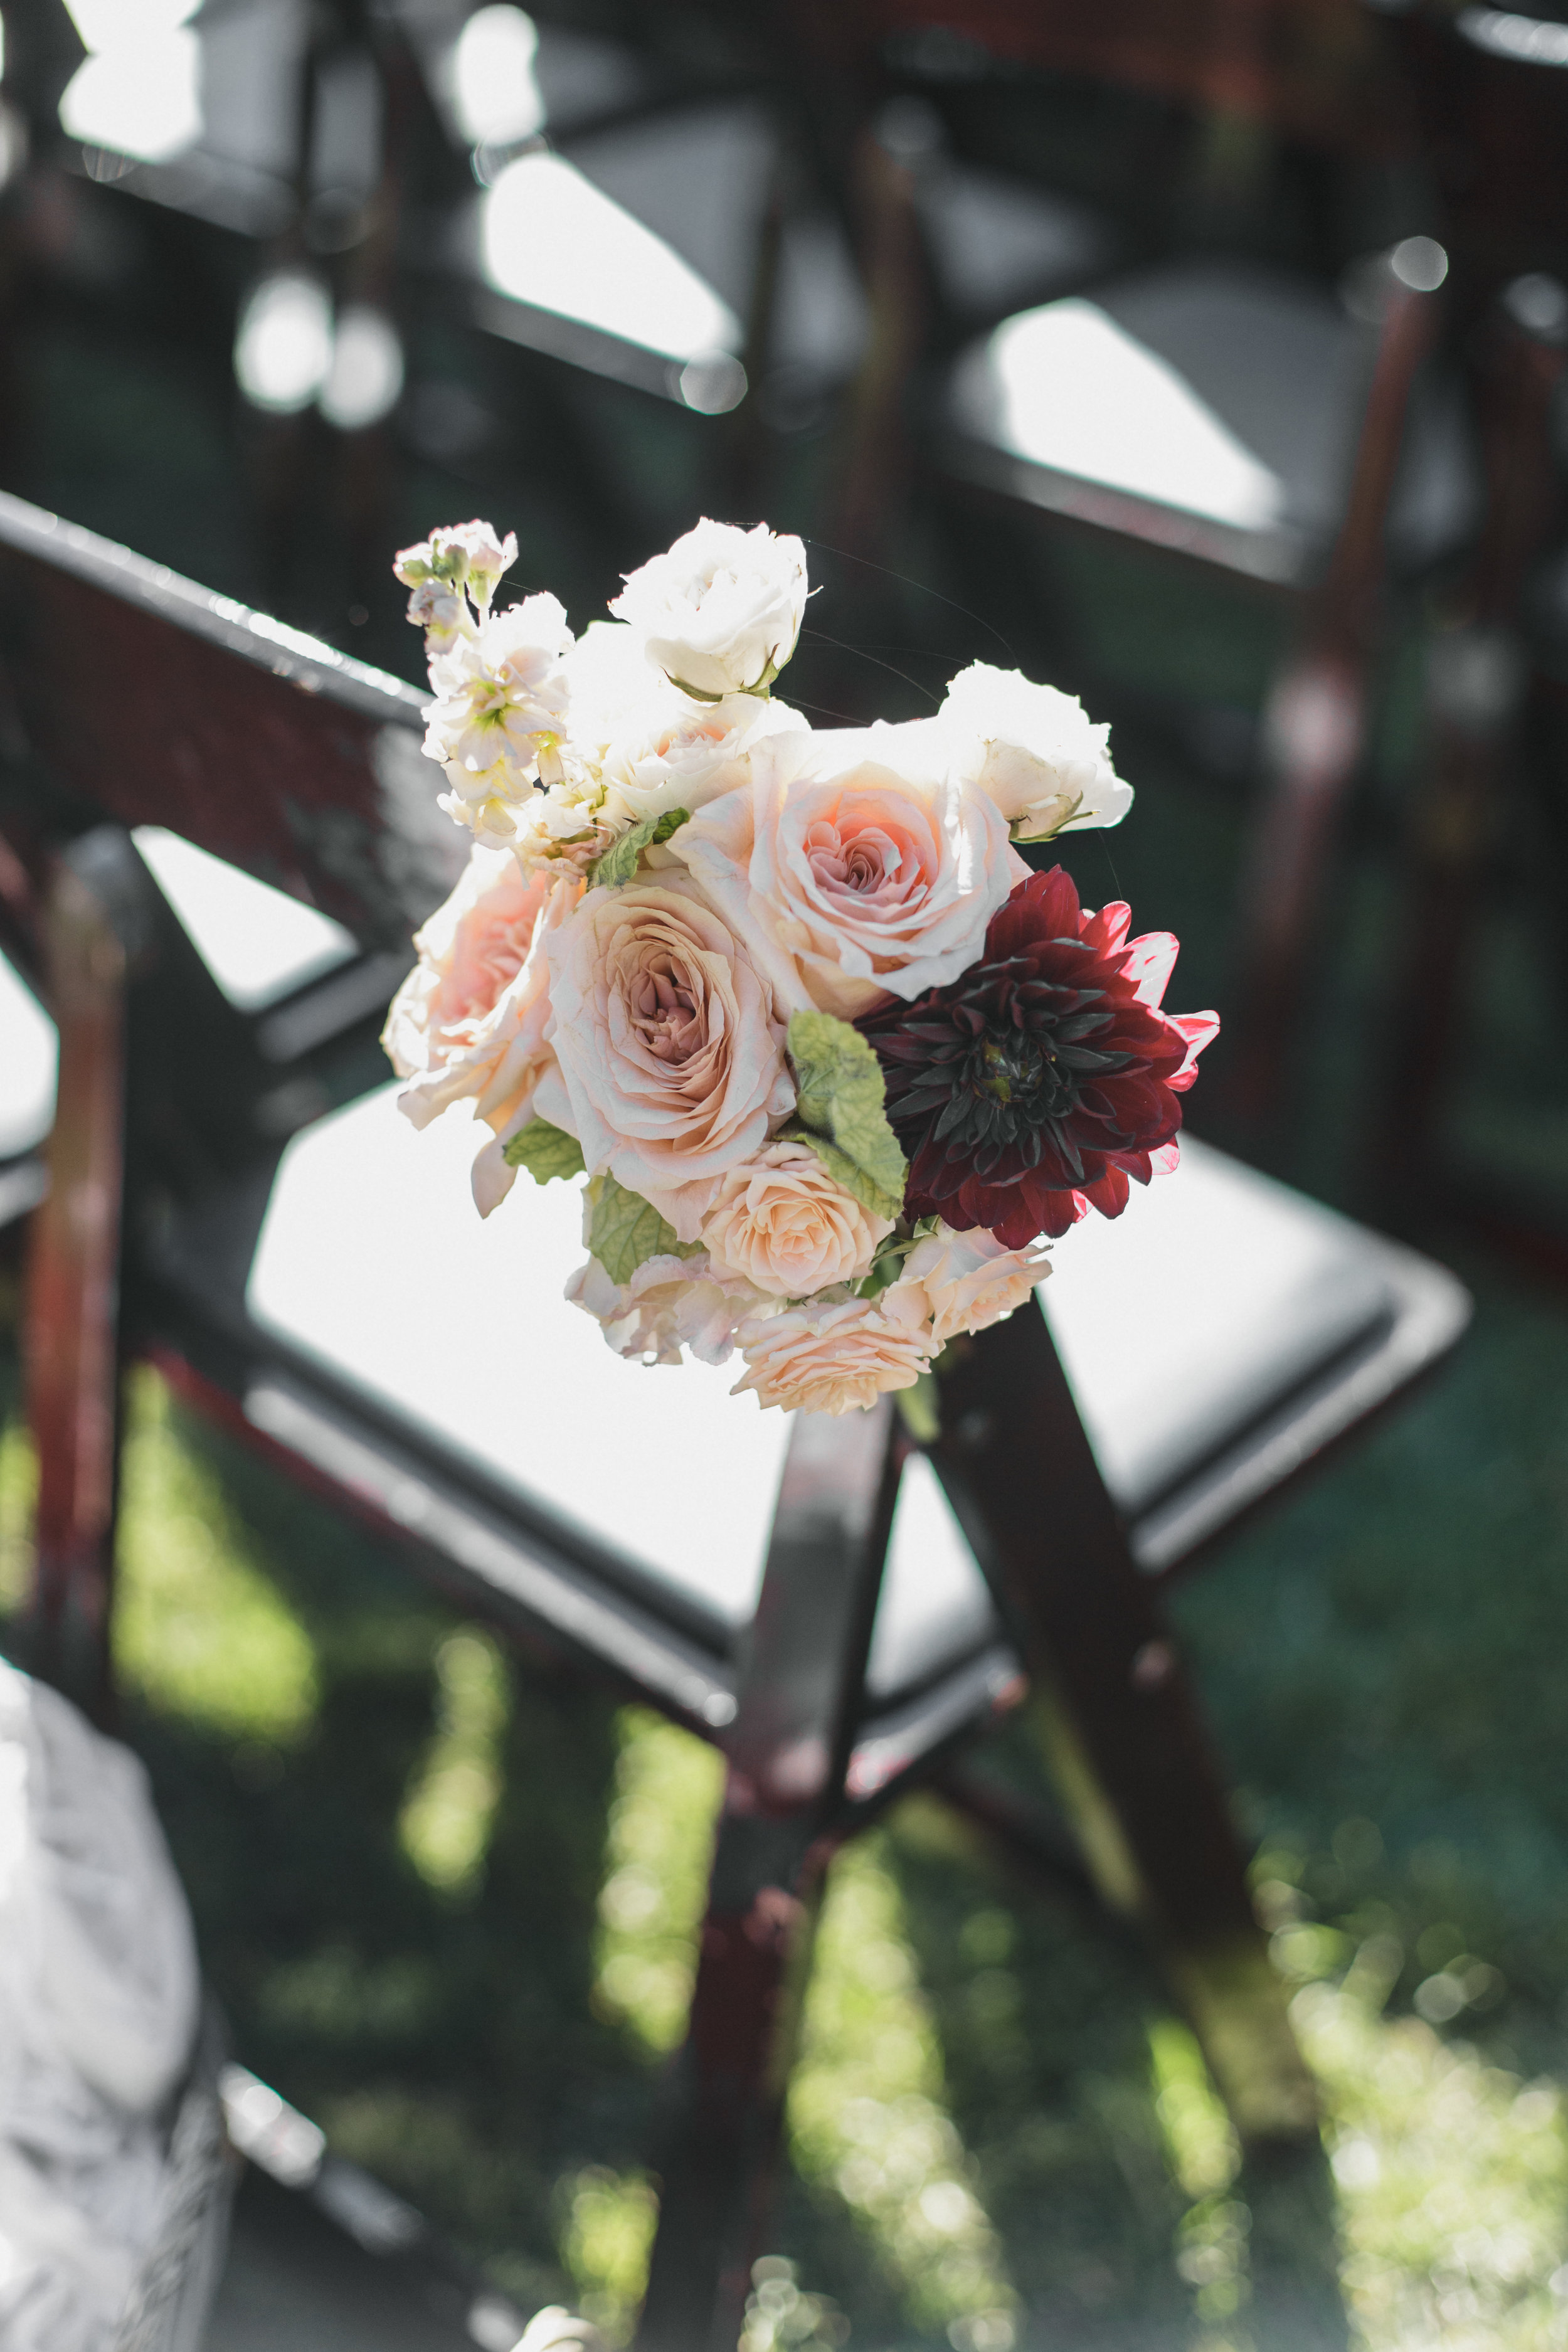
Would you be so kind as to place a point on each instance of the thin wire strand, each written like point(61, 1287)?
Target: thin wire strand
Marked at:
point(925, 590)
point(820, 638)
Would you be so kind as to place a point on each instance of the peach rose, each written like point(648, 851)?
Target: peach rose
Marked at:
point(964, 1281)
point(853, 865)
point(670, 1061)
point(669, 1302)
point(469, 1024)
point(780, 1221)
point(834, 1356)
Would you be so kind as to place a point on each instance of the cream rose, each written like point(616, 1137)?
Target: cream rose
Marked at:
point(469, 1024)
point(670, 1059)
point(854, 865)
point(833, 1356)
point(781, 1223)
point(669, 1303)
point(687, 756)
point(614, 689)
point(719, 612)
point(965, 1281)
point(1034, 751)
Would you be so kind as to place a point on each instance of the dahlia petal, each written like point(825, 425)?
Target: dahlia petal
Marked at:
point(1109, 1193)
point(1149, 964)
point(1198, 1030)
point(1105, 931)
point(1166, 1160)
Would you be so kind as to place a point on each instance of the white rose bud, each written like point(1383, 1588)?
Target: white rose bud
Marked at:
point(1034, 751)
point(720, 613)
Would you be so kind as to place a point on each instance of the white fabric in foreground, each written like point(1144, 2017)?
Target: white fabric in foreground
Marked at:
point(98, 2001)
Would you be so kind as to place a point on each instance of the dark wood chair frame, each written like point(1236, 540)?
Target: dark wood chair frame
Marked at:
point(275, 753)
point(1319, 711)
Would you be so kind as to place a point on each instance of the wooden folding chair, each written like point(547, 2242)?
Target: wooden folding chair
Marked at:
point(1247, 434)
point(1493, 102)
point(234, 1195)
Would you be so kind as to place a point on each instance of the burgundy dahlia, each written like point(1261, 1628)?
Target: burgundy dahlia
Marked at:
point(1038, 1083)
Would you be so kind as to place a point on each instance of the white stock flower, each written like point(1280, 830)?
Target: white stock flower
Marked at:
point(560, 827)
point(461, 553)
point(1034, 751)
point(669, 1302)
point(441, 612)
point(966, 1281)
point(721, 612)
point(502, 699)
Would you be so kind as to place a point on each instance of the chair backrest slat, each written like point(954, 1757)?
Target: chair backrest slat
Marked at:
point(152, 700)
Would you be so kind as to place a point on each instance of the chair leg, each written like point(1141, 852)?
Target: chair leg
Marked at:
point(1114, 1710)
point(72, 1309)
point(1314, 728)
point(1478, 691)
point(788, 1749)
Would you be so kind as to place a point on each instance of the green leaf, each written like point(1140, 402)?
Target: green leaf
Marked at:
point(841, 1107)
point(544, 1150)
point(619, 862)
point(625, 1230)
point(844, 1170)
point(885, 1271)
point(920, 1408)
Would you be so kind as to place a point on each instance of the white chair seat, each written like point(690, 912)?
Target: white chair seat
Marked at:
point(28, 1057)
point(1211, 1298)
point(1226, 393)
point(1214, 1299)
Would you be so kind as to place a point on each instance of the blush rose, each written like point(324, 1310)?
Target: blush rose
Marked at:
point(469, 1024)
point(854, 866)
point(669, 1061)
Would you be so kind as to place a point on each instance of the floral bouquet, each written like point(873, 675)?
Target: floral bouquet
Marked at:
point(835, 1061)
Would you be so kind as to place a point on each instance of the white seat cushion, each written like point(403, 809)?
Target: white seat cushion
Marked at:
point(1209, 1298)
point(27, 1058)
point(1230, 393)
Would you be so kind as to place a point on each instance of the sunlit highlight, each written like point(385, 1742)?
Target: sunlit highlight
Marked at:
point(365, 378)
point(258, 943)
point(283, 351)
point(138, 89)
point(551, 238)
point(26, 1066)
point(1078, 394)
point(495, 93)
